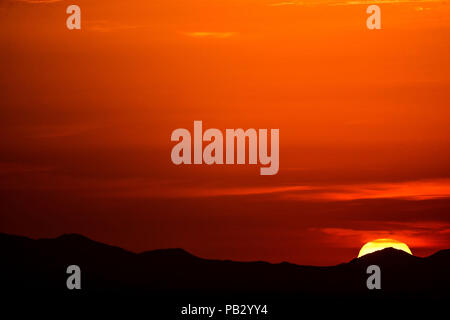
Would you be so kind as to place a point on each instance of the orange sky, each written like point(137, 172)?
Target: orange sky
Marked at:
point(86, 118)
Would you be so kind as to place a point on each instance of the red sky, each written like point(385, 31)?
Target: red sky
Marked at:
point(86, 118)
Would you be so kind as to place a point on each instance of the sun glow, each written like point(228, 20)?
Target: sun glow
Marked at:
point(381, 244)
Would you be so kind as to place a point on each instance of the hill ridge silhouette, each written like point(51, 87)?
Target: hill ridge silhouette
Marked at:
point(41, 264)
point(181, 251)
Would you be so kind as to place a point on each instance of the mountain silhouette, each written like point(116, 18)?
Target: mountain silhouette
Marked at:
point(40, 265)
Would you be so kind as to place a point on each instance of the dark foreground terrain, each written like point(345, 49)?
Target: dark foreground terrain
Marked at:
point(163, 281)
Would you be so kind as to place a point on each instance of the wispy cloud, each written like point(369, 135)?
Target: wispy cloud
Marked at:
point(347, 2)
point(144, 188)
point(209, 34)
point(286, 3)
point(416, 234)
point(408, 190)
point(169, 189)
point(369, 2)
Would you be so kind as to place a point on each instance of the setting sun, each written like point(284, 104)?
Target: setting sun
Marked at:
point(380, 244)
